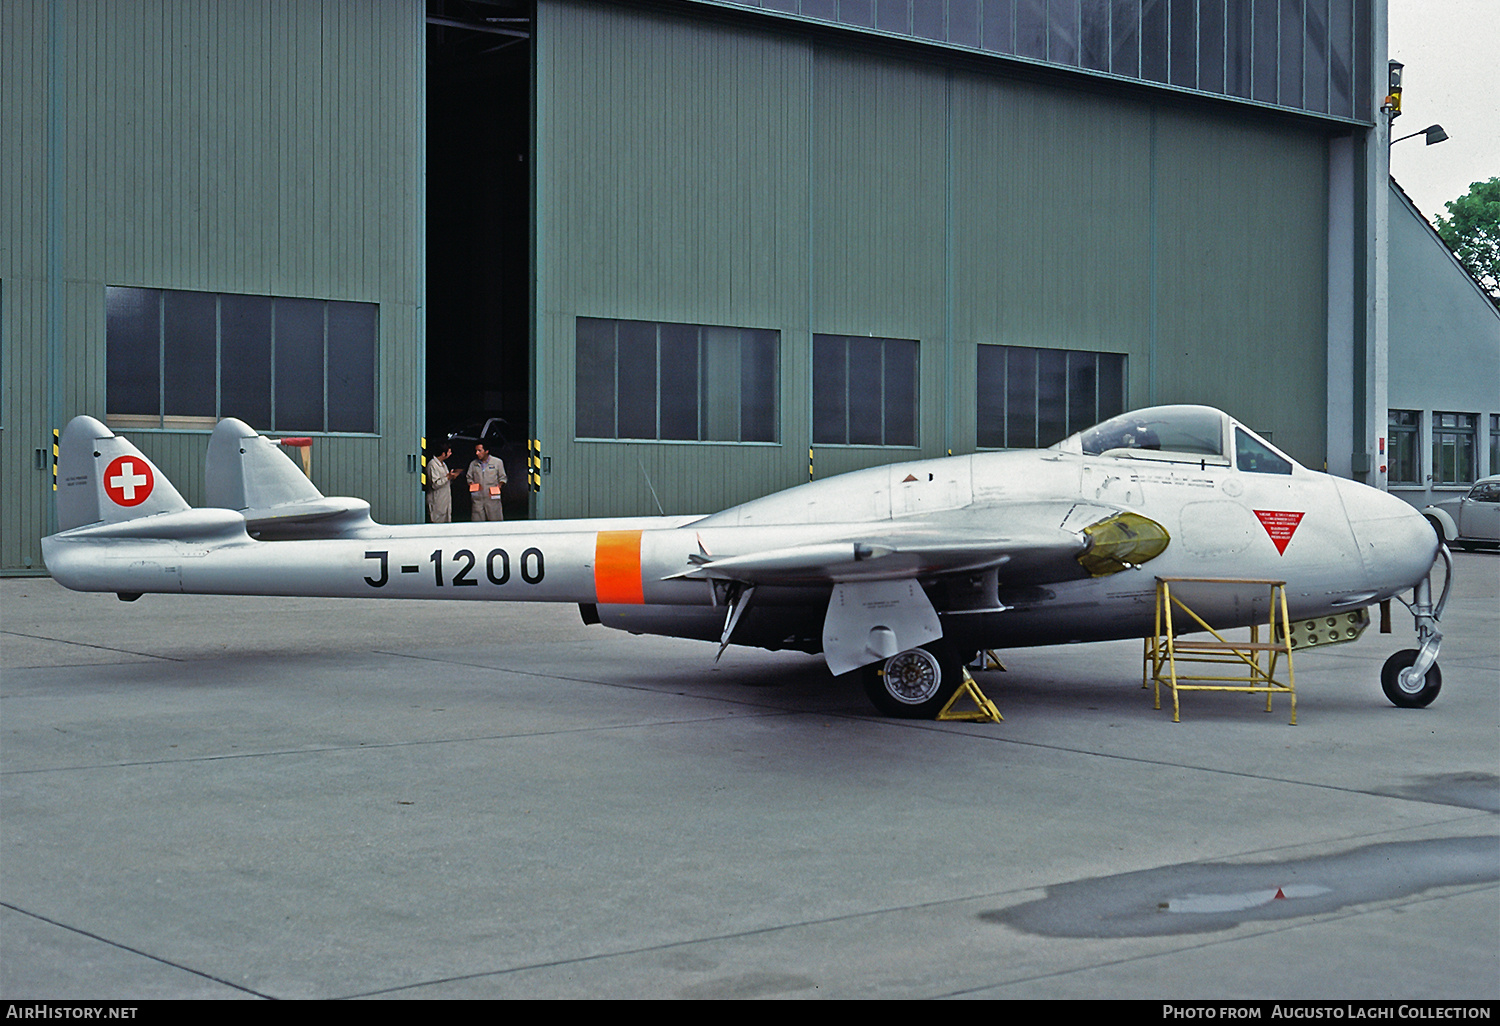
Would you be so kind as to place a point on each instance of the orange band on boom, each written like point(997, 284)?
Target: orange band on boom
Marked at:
point(617, 568)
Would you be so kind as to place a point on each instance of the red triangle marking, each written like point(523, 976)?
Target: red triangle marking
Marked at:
point(1279, 895)
point(1280, 525)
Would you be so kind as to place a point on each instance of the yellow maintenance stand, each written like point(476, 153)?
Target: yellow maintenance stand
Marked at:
point(1169, 658)
point(984, 711)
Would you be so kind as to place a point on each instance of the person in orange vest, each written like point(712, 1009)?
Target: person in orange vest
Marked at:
point(486, 481)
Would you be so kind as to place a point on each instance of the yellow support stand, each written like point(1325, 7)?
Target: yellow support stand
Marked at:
point(1255, 660)
point(986, 659)
point(986, 711)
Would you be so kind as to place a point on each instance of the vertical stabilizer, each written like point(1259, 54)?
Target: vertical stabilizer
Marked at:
point(102, 478)
point(247, 471)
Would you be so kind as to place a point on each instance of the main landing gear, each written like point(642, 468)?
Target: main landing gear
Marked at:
point(1411, 678)
point(916, 684)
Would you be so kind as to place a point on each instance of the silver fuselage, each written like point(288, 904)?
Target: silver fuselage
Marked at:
point(1337, 545)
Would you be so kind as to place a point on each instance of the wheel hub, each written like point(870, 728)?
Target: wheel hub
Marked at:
point(1410, 681)
point(912, 677)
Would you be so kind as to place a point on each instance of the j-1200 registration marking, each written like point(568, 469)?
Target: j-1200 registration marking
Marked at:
point(532, 567)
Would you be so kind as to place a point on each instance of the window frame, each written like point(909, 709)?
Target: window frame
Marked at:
point(166, 377)
point(1409, 450)
point(1494, 467)
point(1255, 456)
point(1307, 58)
point(589, 331)
point(889, 349)
point(1063, 364)
point(1465, 428)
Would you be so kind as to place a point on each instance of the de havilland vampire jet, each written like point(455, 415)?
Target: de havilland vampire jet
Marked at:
point(904, 571)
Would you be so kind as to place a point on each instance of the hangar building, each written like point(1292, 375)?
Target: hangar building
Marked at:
point(1444, 366)
point(696, 250)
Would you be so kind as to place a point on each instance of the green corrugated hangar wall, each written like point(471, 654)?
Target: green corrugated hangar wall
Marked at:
point(246, 148)
point(720, 173)
point(688, 170)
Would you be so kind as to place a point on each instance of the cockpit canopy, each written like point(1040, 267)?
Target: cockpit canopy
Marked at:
point(1180, 434)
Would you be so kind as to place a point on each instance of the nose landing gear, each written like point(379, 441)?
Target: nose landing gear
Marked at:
point(1411, 678)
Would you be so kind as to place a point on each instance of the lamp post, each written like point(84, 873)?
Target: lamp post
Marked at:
point(1391, 108)
point(1434, 134)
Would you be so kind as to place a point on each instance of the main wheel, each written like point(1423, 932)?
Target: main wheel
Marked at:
point(915, 684)
point(1409, 695)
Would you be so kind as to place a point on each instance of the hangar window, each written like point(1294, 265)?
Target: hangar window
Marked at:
point(864, 390)
point(1405, 463)
point(1030, 398)
point(1292, 53)
point(676, 382)
point(1453, 448)
point(1495, 443)
point(178, 359)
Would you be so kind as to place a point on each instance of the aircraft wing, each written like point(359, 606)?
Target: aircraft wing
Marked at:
point(878, 606)
point(1035, 554)
point(1034, 543)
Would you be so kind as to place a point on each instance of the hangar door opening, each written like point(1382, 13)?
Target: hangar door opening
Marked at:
point(479, 235)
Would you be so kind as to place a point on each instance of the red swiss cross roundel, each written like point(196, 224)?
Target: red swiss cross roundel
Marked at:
point(128, 480)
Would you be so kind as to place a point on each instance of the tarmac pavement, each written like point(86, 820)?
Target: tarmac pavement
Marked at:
point(213, 797)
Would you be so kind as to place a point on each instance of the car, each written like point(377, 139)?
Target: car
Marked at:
point(1470, 521)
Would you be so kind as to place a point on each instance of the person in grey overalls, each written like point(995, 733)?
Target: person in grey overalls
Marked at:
point(439, 492)
point(486, 482)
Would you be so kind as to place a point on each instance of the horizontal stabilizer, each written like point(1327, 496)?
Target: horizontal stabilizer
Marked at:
point(337, 517)
point(104, 479)
point(198, 526)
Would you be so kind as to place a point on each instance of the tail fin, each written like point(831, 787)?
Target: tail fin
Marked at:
point(252, 474)
point(247, 471)
point(102, 478)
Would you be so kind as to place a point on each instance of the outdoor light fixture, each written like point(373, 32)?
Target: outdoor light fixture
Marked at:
point(1392, 105)
point(1434, 134)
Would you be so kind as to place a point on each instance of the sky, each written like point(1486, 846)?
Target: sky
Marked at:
point(1451, 49)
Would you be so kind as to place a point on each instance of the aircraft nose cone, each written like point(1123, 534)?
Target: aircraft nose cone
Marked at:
point(1396, 543)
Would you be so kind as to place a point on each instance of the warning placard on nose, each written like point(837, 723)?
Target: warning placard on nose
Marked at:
point(128, 480)
point(1280, 525)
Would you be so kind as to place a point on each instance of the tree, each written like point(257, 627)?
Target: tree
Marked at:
point(1472, 231)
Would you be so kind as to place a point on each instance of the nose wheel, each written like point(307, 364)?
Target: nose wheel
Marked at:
point(1404, 686)
point(1411, 678)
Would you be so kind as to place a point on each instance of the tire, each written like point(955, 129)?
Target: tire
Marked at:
point(915, 684)
point(1406, 697)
